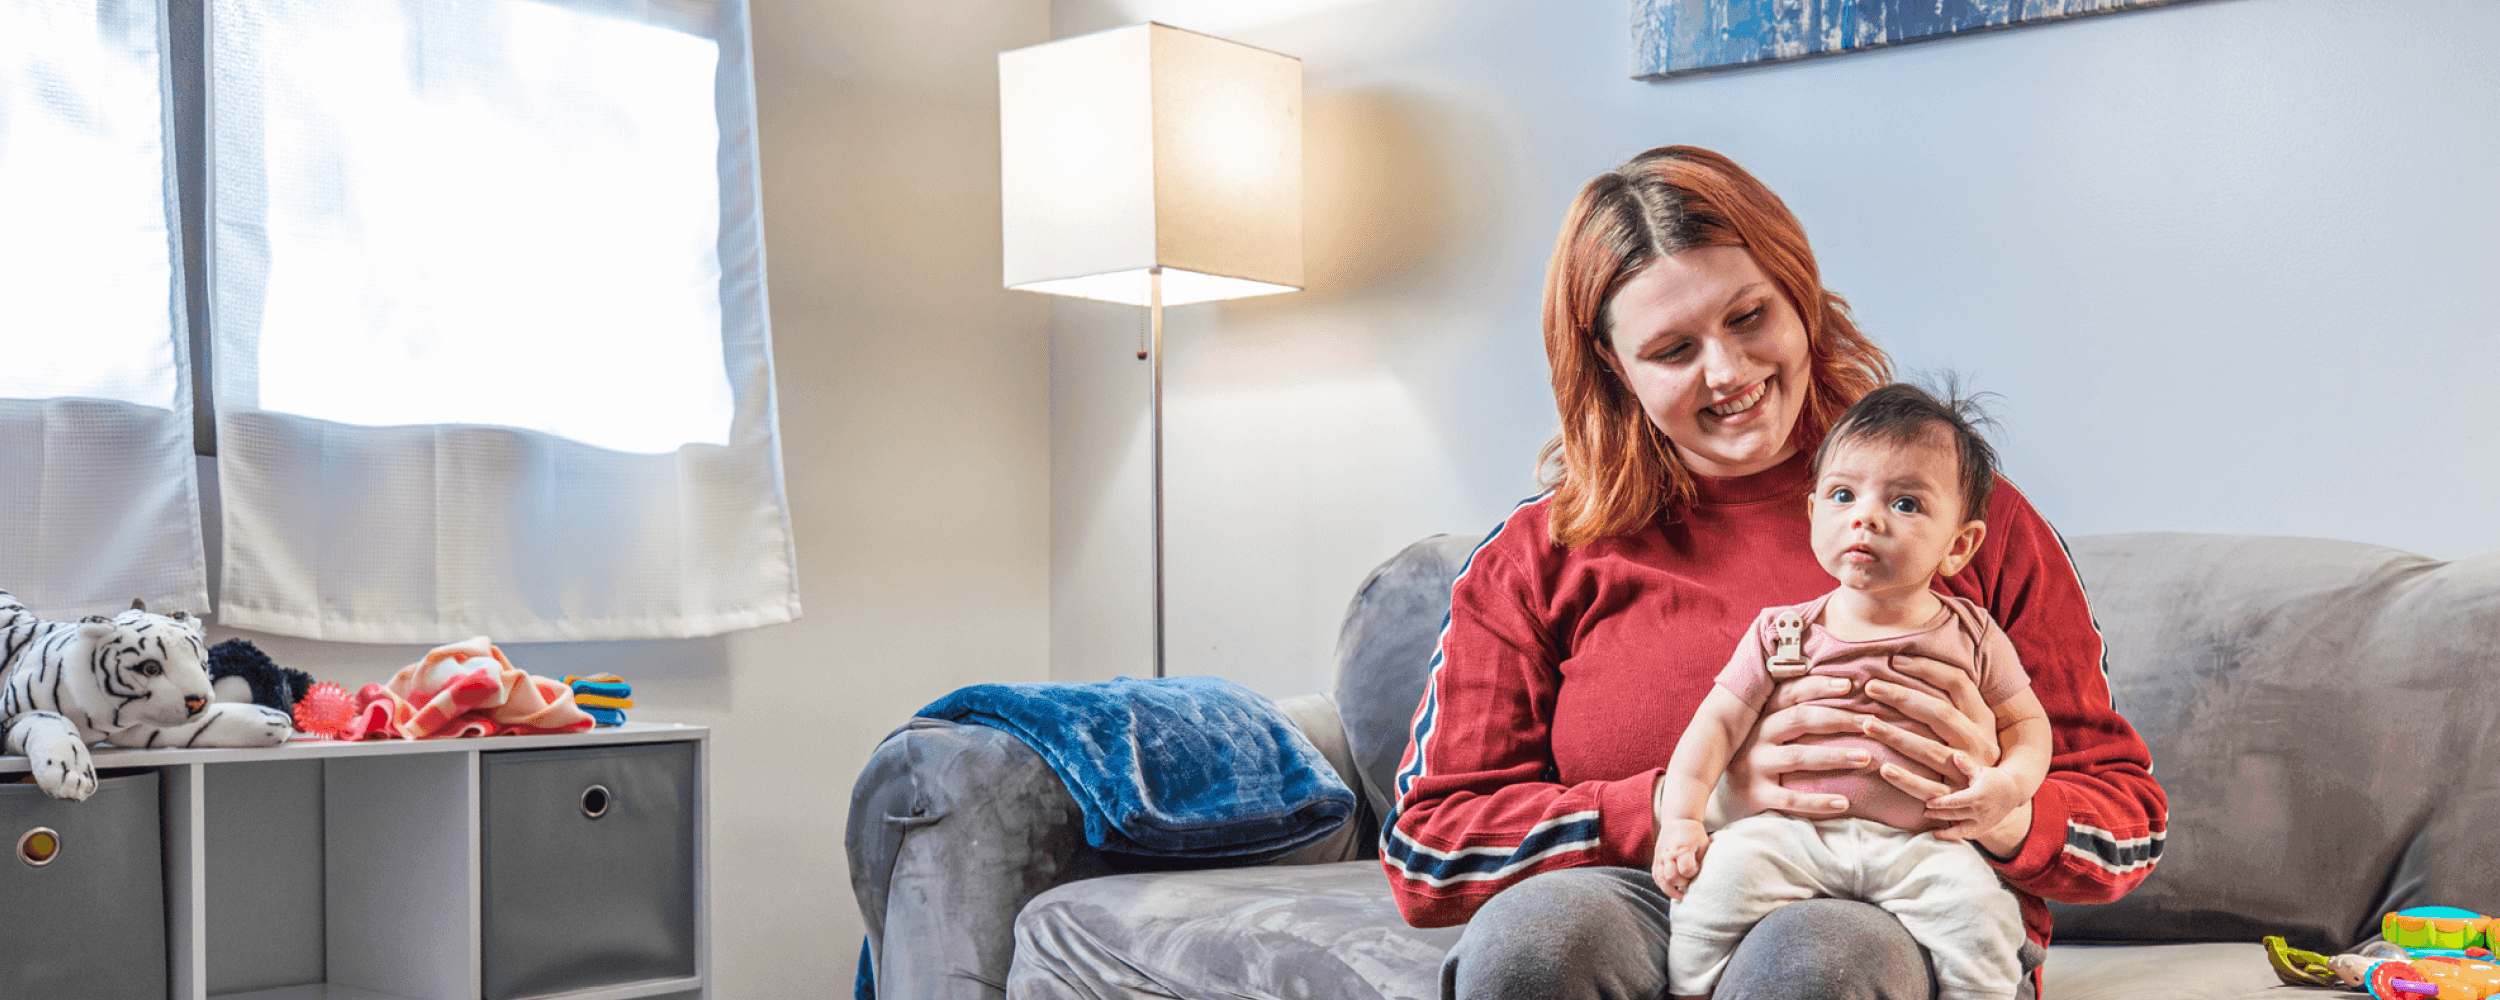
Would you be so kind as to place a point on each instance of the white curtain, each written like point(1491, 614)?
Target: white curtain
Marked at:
point(99, 500)
point(489, 312)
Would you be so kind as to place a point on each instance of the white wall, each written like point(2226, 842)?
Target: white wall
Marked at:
point(914, 432)
point(2227, 262)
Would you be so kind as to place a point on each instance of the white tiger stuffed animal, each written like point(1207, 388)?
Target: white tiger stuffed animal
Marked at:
point(133, 680)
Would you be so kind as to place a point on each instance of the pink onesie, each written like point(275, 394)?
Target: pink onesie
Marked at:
point(1963, 635)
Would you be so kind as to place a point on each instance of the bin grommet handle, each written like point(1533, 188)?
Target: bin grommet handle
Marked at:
point(39, 846)
point(595, 801)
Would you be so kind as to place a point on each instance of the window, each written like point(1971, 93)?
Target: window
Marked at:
point(97, 498)
point(482, 290)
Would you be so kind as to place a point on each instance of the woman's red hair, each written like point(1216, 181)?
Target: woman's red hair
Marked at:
point(1611, 469)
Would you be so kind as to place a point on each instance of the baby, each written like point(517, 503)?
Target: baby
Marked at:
point(1900, 487)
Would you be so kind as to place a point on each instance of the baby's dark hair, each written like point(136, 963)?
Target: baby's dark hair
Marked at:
point(1901, 413)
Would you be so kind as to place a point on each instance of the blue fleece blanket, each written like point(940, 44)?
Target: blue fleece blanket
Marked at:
point(1183, 767)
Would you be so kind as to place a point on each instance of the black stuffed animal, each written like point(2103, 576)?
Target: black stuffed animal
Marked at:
point(239, 671)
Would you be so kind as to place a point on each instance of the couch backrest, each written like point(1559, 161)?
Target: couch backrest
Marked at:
point(2324, 715)
point(1384, 653)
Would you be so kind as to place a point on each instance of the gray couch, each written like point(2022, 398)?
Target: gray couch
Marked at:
point(2324, 715)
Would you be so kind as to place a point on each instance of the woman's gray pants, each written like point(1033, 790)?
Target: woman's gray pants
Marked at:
point(1601, 934)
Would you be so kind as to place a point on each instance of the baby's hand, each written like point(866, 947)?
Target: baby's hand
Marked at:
point(1681, 843)
point(1993, 794)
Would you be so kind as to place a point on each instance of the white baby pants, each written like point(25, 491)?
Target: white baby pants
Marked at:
point(1944, 893)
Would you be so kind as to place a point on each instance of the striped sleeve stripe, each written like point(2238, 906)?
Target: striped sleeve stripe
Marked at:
point(2088, 614)
point(2112, 853)
point(1394, 845)
point(1425, 715)
point(1559, 835)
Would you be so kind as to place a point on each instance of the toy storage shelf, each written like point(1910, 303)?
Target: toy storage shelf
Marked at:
point(356, 871)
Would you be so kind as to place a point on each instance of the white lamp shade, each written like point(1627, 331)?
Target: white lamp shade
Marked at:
point(1149, 146)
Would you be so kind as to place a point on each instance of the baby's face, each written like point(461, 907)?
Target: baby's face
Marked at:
point(1888, 515)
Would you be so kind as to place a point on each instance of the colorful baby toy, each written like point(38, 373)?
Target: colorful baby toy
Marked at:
point(604, 696)
point(2429, 953)
point(2438, 930)
point(2436, 977)
point(327, 712)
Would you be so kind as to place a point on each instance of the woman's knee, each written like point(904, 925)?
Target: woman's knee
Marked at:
point(1579, 932)
point(1828, 949)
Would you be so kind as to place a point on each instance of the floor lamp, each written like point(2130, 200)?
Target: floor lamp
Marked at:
point(1155, 167)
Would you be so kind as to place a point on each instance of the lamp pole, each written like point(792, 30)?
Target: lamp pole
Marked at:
point(1154, 419)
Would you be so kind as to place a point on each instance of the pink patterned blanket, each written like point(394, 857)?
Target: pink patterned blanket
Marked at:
point(464, 689)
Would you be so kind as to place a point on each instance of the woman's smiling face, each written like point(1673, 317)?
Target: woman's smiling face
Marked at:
point(1716, 356)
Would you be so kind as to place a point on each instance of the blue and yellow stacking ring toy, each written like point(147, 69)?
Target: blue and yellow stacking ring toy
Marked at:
point(604, 696)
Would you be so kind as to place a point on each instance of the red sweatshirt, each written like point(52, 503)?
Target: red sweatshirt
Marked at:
point(1564, 677)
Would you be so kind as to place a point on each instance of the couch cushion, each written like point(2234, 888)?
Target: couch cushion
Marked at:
point(1299, 931)
point(1331, 931)
point(2323, 715)
point(2167, 972)
point(1384, 653)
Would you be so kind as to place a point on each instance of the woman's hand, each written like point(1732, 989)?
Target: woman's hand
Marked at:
point(1677, 858)
point(1951, 707)
point(1985, 809)
point(1753, 775)
point(1954, 711)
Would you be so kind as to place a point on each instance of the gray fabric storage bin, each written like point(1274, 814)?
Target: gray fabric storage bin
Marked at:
point(573, 901)
point(91, 923)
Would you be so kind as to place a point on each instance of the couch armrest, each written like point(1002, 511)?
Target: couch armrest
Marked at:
point(953, 828)
point(1316, 715)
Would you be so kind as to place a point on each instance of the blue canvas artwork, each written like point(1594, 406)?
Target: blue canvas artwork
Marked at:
point(1672, 38)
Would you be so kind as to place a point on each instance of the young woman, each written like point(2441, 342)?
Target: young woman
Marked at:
point(1697, 362)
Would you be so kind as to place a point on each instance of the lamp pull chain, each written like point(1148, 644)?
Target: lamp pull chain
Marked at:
point(1154, 398)
point(1141, 332)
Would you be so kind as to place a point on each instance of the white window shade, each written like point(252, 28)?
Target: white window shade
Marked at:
point(490, 323)
point(98, 488)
